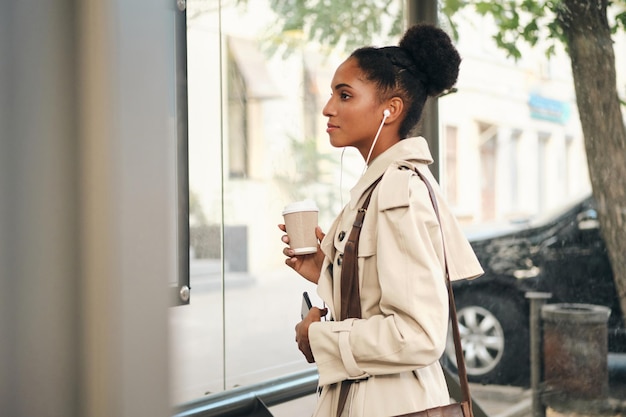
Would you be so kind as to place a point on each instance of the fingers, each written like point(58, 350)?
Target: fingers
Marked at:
point(291, 262)
point(302, 332)
point(302, 340)
point(317, 313)
point(319, 233)
point(284, 238)
point(287, 251)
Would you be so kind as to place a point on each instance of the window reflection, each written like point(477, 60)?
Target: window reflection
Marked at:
point(513, 151)
point(237, 121)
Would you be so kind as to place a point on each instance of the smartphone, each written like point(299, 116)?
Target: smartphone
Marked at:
point(306, 304)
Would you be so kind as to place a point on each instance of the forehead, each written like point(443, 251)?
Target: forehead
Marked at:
point(349, 73)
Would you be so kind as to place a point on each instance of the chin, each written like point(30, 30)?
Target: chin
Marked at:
point(336, 144)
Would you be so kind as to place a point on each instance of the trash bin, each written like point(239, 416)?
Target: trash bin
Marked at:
point(575, 349)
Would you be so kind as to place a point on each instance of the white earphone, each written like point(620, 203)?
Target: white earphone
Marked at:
point(386, 113)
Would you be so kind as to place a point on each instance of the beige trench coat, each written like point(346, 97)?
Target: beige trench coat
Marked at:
point(393, 351)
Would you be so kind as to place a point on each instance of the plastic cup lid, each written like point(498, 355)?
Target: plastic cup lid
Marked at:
point(305, 205)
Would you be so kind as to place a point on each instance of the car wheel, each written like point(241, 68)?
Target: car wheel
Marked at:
point(494, 337)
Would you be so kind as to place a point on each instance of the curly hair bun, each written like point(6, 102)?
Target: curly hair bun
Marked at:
point(433, 55)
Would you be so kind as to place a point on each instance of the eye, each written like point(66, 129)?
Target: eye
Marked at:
point(344, 95)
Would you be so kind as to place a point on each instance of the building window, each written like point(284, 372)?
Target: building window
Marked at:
point(542, 169)
point(514, 168)
point(311, 104)
point(568, 166)
point(488, 152)
point(451, 167)
point(237, 122)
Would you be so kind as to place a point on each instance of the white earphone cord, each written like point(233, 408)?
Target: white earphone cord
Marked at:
point(380, 128)
point(341, 177)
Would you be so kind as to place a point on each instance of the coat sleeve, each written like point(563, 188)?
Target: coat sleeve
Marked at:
point(410, 330)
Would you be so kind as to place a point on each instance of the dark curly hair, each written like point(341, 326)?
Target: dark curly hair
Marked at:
point(423, 65)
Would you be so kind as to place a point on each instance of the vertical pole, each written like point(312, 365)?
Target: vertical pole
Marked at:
point(537, 300)
point(40, 277)
point(181, 295)
point(420, 11)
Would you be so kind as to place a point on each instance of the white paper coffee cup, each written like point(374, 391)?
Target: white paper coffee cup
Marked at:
point(300, 222)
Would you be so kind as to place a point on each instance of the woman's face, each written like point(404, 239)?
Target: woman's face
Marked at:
point(353, 110)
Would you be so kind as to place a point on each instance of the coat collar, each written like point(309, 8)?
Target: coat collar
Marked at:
point(409, 149)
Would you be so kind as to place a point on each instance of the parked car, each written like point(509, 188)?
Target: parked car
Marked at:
point(562, 254)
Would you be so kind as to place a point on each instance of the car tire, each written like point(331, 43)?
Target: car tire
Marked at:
point(494, 336)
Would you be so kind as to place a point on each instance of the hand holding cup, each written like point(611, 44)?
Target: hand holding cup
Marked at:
point(300, 223)
point(302, 254)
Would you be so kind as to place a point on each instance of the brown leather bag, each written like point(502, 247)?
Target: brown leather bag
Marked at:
point(351, 307)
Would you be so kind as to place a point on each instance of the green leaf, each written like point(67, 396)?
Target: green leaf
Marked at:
point(450, 7)
point(620, 21)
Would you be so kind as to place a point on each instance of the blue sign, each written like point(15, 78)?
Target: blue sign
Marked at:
point(549, 109)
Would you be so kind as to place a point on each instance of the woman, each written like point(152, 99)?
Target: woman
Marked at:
point(388, 353)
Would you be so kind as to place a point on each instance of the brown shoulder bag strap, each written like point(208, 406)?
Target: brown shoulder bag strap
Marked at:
point(460, 360)
point(350, 294)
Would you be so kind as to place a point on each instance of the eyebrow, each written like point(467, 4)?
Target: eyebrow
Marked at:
point(342, 85)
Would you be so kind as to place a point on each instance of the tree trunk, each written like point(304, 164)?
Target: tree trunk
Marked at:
point(588, 37)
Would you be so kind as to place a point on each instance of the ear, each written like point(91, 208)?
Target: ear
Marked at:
point(396, 107)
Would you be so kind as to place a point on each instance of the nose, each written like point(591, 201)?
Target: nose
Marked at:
point(328, 109)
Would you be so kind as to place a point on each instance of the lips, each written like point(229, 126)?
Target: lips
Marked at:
point(331, 127)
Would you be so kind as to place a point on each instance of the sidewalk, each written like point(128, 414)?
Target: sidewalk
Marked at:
point(502, 401)
point(496, 401)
